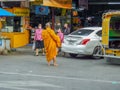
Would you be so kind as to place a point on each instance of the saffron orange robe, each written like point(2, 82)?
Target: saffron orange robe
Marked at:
point(50, 39)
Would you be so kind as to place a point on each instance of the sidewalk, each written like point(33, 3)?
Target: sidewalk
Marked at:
point(26, 50)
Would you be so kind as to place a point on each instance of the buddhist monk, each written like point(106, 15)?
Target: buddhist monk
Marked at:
point(51, 41)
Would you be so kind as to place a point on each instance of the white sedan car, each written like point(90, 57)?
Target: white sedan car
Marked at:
point(85, 41)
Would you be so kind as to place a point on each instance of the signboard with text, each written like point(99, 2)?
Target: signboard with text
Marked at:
point(36, 2)
point(42, 10)
point(21, 11)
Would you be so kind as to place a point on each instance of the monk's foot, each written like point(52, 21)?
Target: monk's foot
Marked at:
point(48, 64)
point(43, 54)
point(55, 64)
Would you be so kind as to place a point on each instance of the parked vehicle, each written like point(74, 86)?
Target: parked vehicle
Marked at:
point(84, 41)
point(111, 36)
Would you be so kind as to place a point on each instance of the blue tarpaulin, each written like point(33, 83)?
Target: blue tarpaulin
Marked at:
point(5, 13)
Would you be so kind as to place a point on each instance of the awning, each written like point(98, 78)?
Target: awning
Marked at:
point(58, 3)
point(5, 13)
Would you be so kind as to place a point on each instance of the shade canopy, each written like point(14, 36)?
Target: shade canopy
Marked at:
point(5, 13)
point(58, 3)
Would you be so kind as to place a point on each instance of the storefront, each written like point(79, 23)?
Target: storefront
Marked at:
point(15, 27)
point(102, 7)
point(59, 12)
point(62, 16)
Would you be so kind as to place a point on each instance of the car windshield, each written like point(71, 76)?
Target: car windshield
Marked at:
point(82, 32)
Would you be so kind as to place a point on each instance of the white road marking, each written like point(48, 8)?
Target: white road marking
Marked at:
point(61, 77)
point(14, 88)
point(23, 85)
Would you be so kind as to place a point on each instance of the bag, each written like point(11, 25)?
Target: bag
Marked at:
point(33, 46)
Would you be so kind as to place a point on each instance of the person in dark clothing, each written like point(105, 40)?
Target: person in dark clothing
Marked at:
point(57, 27)
point(17, 27)
point(66, 29)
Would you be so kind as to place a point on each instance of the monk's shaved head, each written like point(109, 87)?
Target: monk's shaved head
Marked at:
point(48, 24)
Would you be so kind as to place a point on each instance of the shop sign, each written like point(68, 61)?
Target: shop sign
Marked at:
point(75, 13)
point(42, 10)
point(63, 12)
point(36, 2)
point(21, 11)
point(2, 18)
point(58, 3)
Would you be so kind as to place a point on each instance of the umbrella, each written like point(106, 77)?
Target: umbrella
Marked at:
point(5, 13)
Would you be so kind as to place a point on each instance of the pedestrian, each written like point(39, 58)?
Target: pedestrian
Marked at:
point(66, 29)
point(39, 44)
point(61, 36)
point(88, 22)
point(57, 26)
point(17, 27)
point(51, 43)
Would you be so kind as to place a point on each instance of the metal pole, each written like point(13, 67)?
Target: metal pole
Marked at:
point(53, 18)
point(71, 30)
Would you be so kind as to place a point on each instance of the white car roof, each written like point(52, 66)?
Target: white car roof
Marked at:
point(93, 28)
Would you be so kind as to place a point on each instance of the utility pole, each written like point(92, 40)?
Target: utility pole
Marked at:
point(53, 18)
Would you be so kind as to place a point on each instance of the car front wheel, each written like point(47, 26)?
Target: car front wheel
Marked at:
point(73, 55)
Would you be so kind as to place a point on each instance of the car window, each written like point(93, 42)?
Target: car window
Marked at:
point(99, 33)
point(83, 32)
